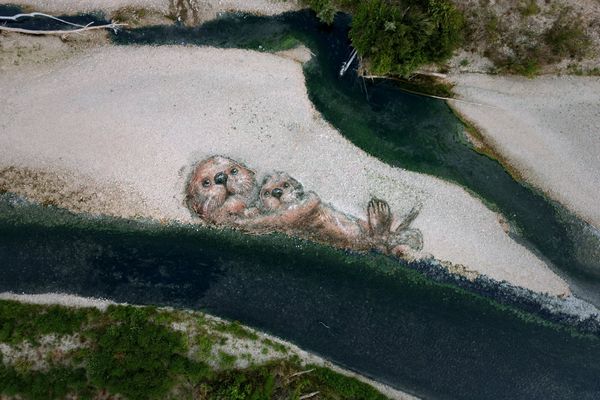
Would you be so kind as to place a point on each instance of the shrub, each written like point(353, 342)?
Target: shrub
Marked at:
point(529, 7)
point(56, 383)
point(20, 321)
point(566, 36)
point(135, 356)
point(397, 37)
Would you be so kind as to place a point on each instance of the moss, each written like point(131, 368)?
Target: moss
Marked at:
point(134, 356)
point(276, 346)
point(235, 329)
point(344, 387)
point(19, 322)
point(226, 360)
point(55, 383)
point(528, 8)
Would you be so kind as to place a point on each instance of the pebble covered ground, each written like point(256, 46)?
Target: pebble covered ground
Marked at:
point(135, 120)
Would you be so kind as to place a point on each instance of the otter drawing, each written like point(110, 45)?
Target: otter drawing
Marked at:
point(224, 192)
point(285, 206)
point(221, 190)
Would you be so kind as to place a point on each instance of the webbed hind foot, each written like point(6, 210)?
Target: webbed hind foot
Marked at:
point(379, 217)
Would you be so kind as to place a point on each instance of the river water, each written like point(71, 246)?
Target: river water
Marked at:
point(368, 313)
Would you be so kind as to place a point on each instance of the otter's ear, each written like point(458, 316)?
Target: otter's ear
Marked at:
point(266, 179)
point(253, 172)
point(297, 185)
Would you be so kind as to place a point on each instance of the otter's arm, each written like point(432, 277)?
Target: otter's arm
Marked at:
point(409, 218)
point(280, 220)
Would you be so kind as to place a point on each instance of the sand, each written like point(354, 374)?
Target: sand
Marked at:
point(548, 128)
point(134, 120)
point(205, 9)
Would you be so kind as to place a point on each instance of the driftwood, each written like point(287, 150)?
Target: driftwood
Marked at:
point(424, 94)
point(308, 371)
point(36, 14)
point(80, 28)
point(308, 396)
point(113, 26)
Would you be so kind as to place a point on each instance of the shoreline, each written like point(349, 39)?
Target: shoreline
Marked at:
point(549, 140)
point(569, 311)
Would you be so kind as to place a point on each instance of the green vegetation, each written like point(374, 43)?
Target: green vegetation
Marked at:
point(398, 37)
point(19, 322)
point(235, 329)
point(528, 8)
point(134, 352)
point(56, 383)
point(137, 357)
point(566, 37)
point(529, 44)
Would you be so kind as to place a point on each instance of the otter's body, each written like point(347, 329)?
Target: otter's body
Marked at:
point(286, 207)
point(224, 192)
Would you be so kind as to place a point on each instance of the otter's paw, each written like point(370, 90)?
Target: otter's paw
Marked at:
point(380, 217)
point(413, 238)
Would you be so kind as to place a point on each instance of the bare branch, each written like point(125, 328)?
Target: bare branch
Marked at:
point(113, 26)
point(301, 373)
point(308, 396)
point(425, 94)
point(37, 14)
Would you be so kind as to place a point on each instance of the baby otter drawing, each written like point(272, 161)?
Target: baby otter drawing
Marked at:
point(224, 192)
point(285, 206)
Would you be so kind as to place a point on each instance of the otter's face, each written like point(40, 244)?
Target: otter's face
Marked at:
point(280, 190)
point(215, 179)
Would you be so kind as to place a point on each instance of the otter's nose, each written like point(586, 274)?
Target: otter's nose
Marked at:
point(220, 178)
point(277, 193)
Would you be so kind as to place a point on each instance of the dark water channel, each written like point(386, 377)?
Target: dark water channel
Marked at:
point(368, 313)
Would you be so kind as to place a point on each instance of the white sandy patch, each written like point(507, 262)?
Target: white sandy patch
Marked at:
point(548, 128)
point(62, 299)
point(140, 117)
point(208, 8)
point(51, 350)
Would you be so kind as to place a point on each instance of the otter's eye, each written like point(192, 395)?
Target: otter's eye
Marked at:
point(234, 171)
point(206, 183)
point(266, 194)
point(286, 185)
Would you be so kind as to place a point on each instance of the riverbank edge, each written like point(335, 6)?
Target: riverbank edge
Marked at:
point(568, 311)
point(292, 351)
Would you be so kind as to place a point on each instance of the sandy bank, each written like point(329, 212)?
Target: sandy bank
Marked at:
point(548, 128)
point(133, 120)
point(202, 10)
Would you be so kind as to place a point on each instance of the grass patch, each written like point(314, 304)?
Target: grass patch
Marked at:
point(528, 8)
point(133, 352)
point(55, 383)
point(136, 357)
point(236, 330)
point(566, 36)
point(19, 322)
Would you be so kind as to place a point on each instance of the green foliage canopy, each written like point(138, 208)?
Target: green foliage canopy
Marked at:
point(398, 36)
